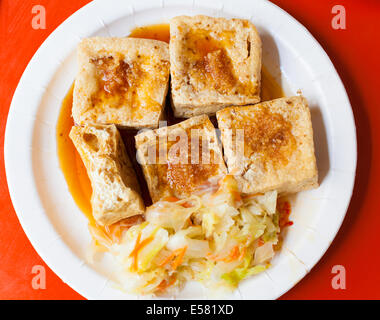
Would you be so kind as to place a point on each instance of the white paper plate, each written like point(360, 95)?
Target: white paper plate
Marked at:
point(45, 208)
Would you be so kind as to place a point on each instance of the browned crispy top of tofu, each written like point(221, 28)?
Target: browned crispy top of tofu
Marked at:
point(187, 177)
point(120, 83)
point(269, 146)
point(267, 134)
point(210, 63)
point(181, 159)
point(115, 76)
point(191, 171)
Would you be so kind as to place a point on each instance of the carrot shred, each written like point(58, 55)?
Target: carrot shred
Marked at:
point(260, 242)
point(138, 247)
point(178, 260)
point(164, 284)
point(176, 257)
point(115, 231)
point(233, 255)
point(167, 260)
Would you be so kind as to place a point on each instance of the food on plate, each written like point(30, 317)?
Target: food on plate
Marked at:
point(180, 159)
point(121, 81)
point(115, 189)
point(269, 146)
point(215, 62)
point(218, 238)
point(209, 221)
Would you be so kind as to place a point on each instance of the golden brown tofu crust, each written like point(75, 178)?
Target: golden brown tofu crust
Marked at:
point(180, 174)
point(269, 146)
point(115, 189)
point(121, 81)
point(215, 62)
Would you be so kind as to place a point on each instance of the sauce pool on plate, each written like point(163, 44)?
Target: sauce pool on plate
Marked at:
point(155, 32)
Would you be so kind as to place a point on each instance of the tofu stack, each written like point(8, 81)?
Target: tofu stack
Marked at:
point(215, 69)
point(121, 82)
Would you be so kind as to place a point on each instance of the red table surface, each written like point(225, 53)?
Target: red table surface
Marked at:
point(355, 54)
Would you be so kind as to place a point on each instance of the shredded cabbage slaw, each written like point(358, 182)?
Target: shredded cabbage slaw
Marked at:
point(218, 238)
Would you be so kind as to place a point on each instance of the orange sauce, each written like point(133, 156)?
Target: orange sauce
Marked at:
point(70, 162)
point(270, 88)
point(155, 31)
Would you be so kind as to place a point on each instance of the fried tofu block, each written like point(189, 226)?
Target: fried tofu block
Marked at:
point(115, 189)
point(180, 159)
point(269, 146)
point(121, 81)
point(215, 62)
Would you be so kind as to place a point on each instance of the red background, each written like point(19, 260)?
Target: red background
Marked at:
point(354, 52)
